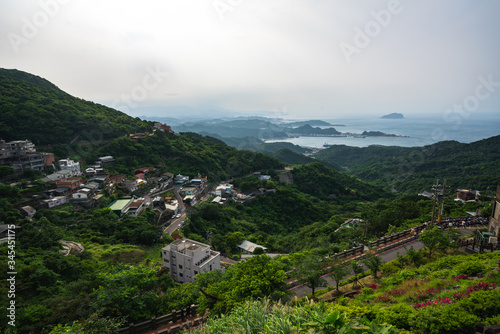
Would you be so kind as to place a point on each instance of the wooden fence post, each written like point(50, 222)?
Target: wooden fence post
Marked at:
point(174, 316)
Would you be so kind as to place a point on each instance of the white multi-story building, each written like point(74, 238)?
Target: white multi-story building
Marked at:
point(186, 258)
point(67, 164)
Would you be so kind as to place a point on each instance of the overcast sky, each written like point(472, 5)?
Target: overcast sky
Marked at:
point(302, 58)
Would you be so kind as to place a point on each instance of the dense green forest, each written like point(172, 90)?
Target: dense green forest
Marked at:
point(415, 169)
point(185, 153)
point(33, 108)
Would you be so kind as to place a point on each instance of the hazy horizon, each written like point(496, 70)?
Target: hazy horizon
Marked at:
point(300, 59)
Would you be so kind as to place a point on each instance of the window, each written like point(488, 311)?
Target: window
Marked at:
point(210, 267)
point(180, 266)
point(181, 275)
point(196, 272)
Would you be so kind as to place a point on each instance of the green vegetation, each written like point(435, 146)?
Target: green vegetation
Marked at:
point(33, 108)
point(377, 134)
point(273, 220)
point(412, 170)
point(307, 129)
point(187, 153)
point(255, 278)
point(309, 272)
point(239, 128)
point(436, 238)
point(293, 158)
point(269, 318)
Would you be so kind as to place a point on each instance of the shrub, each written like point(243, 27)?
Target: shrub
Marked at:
point(482, 303)
point(470, 268)
point(406, 274)
point(440, 273)
point(352, 312)
point(495, 320)
point(443, 319)
point(384, 298)
point(398, 315)
point(396, 292)
point(389, 269)
point(493, 276)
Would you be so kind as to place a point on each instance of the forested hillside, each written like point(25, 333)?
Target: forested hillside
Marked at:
point(33, 108)
point(186, 153)
point(412, 170)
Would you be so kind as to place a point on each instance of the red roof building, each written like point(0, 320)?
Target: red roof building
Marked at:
point(144, 170)
point(140, 176)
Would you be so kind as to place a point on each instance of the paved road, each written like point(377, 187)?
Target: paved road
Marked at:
point(174, 224)
point(387, 256)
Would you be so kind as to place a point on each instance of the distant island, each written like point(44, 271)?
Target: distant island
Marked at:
point(380, 134)
point(394, 115)
point(312, 122)
point(307, 130)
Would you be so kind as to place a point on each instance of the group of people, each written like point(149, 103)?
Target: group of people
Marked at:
point(463, 222)
point(459, 222)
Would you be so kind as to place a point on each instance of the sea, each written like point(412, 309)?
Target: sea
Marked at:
point(417, 131)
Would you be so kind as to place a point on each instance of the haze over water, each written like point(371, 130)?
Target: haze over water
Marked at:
point(421, 131)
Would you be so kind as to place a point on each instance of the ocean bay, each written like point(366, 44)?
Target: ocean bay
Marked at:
point(419, 131)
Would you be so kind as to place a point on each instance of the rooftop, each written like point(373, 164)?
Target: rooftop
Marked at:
point(135, 204)
point(250, 246)
point(119, 204)
point(183, 244)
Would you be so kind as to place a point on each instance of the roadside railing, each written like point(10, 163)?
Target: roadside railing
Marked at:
point(180, 320)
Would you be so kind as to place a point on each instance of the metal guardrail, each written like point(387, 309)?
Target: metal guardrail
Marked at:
point(171, 318)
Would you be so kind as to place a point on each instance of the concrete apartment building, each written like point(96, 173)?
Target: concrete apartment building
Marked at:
point(186, 258)
point(21, 155)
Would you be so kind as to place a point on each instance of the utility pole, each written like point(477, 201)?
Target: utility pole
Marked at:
point(443, 189)
point(439, 190)
point(435, 188)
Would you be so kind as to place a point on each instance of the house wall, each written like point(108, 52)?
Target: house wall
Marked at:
point(184, 264)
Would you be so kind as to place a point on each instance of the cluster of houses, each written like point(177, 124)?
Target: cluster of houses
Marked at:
point(156, 127)
point(191, 190)
point(72, 185)
point(463, 195)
